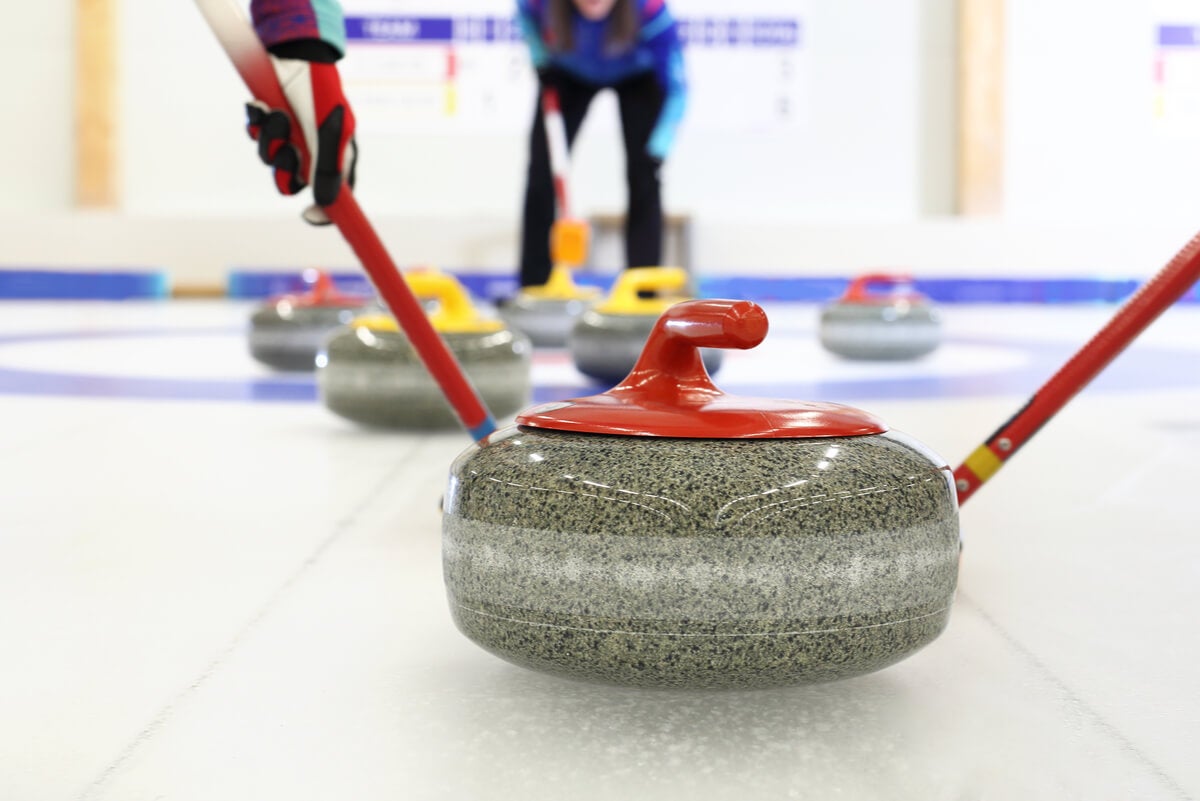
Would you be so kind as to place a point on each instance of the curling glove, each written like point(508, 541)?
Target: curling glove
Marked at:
point(326, 127)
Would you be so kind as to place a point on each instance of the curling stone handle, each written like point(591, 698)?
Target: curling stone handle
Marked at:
point(671, 366)
point(454, 304)
point(323, 288)
point(860, 287)
point(735, 324)
point(659, 280)
point(560, 281)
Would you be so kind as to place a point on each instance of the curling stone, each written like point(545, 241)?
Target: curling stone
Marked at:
point(370, 373)
point(664, 533)
point(606, 340)
point(547, 313)
point(880, 317)
point(287, 332)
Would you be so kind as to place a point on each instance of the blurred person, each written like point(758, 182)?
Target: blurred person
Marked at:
point(579, 47)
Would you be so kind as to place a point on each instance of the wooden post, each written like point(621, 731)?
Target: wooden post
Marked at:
point(95, 103)
point(981, 43)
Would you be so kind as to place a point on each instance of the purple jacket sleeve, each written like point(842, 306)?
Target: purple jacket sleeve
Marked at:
point(279, 21)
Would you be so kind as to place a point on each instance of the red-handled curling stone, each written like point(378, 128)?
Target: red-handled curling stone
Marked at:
point(288, 331)
point(881, 317)
point(665, 533)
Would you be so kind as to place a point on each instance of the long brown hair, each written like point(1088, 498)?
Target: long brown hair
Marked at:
point(622, 25)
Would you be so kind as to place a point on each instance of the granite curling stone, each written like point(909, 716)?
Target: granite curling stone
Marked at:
point(370, 373)
point(287, 332)
point(666, 534)
point(890, 325)
point(547, 313)
point(607, 339)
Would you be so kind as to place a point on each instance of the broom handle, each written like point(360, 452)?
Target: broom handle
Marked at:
point(1138, 312)
point(556, 144)
point(253, 63)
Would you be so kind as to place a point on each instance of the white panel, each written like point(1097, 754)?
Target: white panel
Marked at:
point(855, 157)
point(1083, 141)
point(37, 133)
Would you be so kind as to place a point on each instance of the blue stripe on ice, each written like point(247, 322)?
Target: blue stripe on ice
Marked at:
point(22, 284)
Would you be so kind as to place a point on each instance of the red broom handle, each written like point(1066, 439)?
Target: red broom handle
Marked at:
point(556, 144)
point(1138, 312)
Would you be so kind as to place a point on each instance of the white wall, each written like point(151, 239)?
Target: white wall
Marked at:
point(184, 152)
point(1092, 185)
point(1082, 142)
point(36, 108)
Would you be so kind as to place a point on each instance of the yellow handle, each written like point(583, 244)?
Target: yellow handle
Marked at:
point(669, 285)
point(455, 314)
point(560, 286)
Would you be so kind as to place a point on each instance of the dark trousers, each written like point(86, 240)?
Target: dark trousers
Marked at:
point(640, 99)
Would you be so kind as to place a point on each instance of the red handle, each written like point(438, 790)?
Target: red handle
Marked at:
point(670, 366)
point(323, 287)
point(669, 393)
point(325, 292)
point(736, 324)
point(860, 288)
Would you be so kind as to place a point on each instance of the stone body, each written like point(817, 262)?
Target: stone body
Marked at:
point(286, 336)
point(694, 563)
point(607, 346)
point(376, 378)
point(880, 330)
point(546, 321)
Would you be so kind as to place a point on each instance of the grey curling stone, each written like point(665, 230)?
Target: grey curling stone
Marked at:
point(699, 563)
point(546, 321)
point(883, 331)
point(376, 378)
point(606, 346)
point(288, 336)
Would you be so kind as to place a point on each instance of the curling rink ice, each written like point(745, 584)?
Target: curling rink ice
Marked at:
point(213, 589)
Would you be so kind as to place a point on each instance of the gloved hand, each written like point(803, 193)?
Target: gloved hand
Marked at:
point(326, 123)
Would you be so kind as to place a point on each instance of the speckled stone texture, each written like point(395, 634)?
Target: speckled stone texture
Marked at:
point(880, 331)
point(376, 378)
point(700, 563)
point(607, 346)
point(289, 337)
point(546, 321)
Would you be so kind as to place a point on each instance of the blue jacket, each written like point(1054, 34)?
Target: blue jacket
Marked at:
point(657, 50)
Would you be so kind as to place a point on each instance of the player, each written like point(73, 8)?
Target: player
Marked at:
point(580, 47)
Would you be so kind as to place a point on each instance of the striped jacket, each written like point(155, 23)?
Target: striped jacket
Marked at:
point(279, 21)
point(656, 50)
